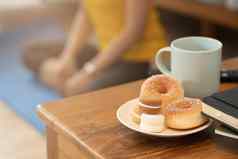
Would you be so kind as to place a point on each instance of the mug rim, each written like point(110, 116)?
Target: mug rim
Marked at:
point(213, 50)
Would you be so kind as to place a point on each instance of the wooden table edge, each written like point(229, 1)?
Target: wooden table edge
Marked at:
point(55, 125)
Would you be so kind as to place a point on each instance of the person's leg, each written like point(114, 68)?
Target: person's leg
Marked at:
point(36, 53)
point(86, 54)
point(47, 73)
point(119, 73)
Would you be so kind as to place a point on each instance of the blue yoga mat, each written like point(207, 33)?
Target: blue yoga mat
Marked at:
point(18, 87)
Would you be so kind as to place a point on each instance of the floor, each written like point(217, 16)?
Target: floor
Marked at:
point(19, 139)
point(19, 4)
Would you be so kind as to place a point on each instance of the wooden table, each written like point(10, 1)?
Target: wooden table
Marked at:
point(85, 126)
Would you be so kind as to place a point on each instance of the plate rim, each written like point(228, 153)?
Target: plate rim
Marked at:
point(193, 131)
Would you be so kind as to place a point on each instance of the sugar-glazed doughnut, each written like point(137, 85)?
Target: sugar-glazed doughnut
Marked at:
point(157, 92)
point(184, 114)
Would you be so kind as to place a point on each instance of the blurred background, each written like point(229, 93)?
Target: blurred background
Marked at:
point(26, 24)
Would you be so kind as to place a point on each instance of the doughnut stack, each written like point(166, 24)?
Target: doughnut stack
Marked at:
point(162, 98)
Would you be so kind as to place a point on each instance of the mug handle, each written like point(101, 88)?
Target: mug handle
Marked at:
point(159, 62)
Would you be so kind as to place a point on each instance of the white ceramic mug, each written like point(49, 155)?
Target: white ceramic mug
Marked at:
point(196, 62)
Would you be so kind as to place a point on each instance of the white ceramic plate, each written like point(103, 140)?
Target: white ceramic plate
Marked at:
point(123, 115)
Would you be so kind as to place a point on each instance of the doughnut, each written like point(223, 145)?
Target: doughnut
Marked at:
point(136, 115)
point(184, 114)
point(148, 122)
point(149, 109)
point(157, 92)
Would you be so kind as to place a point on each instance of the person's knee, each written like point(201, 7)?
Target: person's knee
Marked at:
point(36, 53)
point(30, 61)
